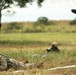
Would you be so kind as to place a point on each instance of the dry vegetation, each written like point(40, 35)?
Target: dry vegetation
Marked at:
point(29, 27)
point(22, 46)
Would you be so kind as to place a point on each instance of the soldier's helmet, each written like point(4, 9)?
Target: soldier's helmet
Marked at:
point(54, 44)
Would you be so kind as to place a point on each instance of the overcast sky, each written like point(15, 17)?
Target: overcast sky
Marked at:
point(52, 9)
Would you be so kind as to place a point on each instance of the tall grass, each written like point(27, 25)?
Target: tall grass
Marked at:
point(54, 26)
point(53, 59)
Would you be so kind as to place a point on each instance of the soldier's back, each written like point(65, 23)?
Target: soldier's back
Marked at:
point(3, 62)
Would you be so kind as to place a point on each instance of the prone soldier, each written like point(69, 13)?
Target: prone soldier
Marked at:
point(6, 64)
point(54, 47)
point(25, 64)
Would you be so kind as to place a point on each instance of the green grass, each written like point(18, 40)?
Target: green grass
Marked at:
point(25, 45)
point(64, 58)
point(55, 59)
point(38, 38)
point(22, 46)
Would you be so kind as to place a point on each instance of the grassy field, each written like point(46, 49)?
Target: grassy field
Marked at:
point(22, 46)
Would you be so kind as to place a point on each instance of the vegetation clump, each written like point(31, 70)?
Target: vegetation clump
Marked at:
point(73, 22)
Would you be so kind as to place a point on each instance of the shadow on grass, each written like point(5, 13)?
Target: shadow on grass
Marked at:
point(23, 42)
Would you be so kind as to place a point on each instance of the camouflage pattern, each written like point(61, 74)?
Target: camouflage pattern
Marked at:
point(22, 65)
point(54, 47)
point(34, 65)
point(17, 65)
point(54, 43)
point(3, 63)
point(6, 64)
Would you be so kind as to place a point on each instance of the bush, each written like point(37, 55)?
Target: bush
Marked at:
point(38, 26)
point(34, 29)
point(42, 20)
point(13, 27)
point(73, 22)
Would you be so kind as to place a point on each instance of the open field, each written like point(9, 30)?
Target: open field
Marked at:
point(23, 46)
point(22, 43)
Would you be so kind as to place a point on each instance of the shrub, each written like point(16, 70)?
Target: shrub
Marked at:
point(13, 26)
point(42, 20)
point(73, 22)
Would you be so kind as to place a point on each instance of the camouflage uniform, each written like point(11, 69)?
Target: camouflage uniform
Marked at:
point(5, 64)
point(34, 65)
point(53, 47)
point(22, 65)
point(17, 65)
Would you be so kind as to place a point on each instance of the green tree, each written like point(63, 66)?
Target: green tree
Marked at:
point(4, 4)
point(73, 11)
point(43, 20)
point(73, 22)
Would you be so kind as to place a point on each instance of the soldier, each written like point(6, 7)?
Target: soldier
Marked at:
point(5, 63)
point(54, 47)
point(25, 65)
point(17, 65)
point(34, 65)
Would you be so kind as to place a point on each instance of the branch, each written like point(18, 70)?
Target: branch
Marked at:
point(5, 6)
point(2, 4)
point(64, 67)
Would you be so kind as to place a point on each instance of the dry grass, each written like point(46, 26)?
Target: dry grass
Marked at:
point(23, 46)
point(42, 72)
point(54, 26)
